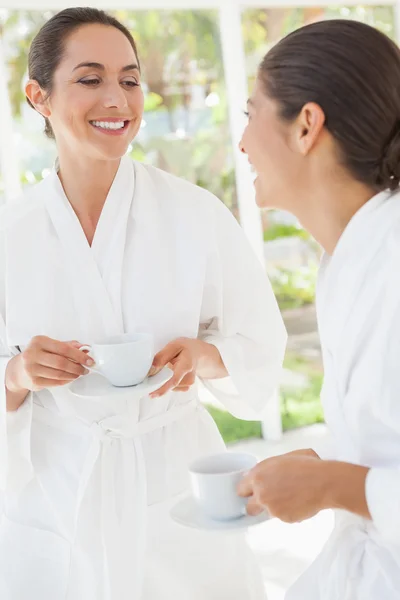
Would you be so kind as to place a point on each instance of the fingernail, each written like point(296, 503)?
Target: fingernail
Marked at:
point(90, 362)
point(86, 372)
point(153, 396)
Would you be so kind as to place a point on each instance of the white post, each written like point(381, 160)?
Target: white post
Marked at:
point(8, 159)
point(396, 10)
point(237, 93)
point(271, 426)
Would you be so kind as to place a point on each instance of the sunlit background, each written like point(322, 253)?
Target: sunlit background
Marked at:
point(195, 67)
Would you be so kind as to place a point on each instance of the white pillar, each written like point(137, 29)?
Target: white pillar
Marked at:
point(237, 93)
point(271, 426)
point(8, 159)
point(396, 9)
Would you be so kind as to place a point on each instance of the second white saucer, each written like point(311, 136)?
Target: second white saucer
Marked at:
point(187, 513)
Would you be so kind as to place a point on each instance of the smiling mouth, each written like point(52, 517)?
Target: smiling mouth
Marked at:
point(110, 125)
point(254, 173)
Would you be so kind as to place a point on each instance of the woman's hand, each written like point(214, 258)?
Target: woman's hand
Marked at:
point(296, 486)
point(46, 363)
point(290, 487)
point(187, 358)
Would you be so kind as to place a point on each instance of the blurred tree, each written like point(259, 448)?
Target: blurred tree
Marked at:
point(177, 50)
point(19, 29)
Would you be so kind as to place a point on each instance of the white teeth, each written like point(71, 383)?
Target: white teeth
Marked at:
point(109, 124)
point(254, 173)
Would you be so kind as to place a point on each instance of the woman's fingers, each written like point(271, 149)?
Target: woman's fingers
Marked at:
point(41, 383)
point(181, 368)
point(164, 357)
point(253, 508)
point(41, 372)
point(49, 363)
point(186, 383)
point(59, 363)
point(64, 349)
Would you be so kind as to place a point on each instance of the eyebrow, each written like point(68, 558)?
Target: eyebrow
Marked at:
point(100, 67)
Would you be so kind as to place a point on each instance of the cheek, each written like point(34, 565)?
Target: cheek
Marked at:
point(72, 106)
point(259, 146)
point(273, 153)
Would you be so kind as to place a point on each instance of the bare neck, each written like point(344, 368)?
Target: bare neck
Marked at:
point(86, 184)
point(329, 209)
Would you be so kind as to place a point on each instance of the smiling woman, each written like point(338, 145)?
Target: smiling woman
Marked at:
point(105, 246)
point(100, 93)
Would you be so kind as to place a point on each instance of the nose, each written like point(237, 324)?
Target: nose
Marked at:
point(115, 96)
point(241, 147)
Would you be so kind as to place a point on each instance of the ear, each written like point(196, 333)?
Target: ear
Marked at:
point(37, 97)
point(310, 123)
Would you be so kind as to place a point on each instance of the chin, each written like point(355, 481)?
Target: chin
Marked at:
point(112, 153)
point(267, 196)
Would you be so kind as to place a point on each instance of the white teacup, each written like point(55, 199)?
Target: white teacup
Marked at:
point(123, 359)
point(214, 483)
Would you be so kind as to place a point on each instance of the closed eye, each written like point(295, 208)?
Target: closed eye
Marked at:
point(90, 82)
point(131, 83)
point(94, 81)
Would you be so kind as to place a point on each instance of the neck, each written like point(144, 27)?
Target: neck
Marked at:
point(86, 182)
point(329, 209)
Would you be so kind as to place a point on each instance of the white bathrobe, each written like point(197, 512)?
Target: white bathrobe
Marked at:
point(87, 484)
point(358, 305)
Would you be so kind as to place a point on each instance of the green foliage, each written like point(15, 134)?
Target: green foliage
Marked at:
point(232, 429)
point(264, 27)
point(169, 42)
point(279, 230)
point(302, 406)
point(294, 288)
point(152, 102)
point(299, 407)
point(28, 22)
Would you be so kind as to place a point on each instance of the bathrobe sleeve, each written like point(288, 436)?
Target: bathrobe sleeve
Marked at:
point(15, 455)
point(240, 316)
point(383, 483)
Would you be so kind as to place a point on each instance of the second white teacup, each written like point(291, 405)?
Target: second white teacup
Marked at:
point(214, 483)
point(125, 359)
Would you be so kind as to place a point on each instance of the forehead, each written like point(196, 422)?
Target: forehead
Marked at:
point(98, 43)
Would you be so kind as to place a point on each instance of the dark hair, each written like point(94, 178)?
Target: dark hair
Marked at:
point(352, 71)
point(47, 48)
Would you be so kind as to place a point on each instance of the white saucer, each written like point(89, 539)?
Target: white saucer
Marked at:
point(187, 513)
point(95, 385)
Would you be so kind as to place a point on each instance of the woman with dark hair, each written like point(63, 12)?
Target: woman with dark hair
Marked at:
point(104, 247)
point(324, 138)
